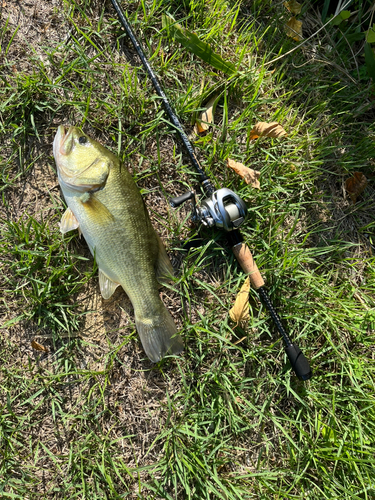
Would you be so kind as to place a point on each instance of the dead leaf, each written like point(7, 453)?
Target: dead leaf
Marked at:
point(355, 185)
point(293, 6)
point(240, 311)
point(206, 117)
point(38, 347)
point(293, 29)
point(264, 129)
point(248, 174)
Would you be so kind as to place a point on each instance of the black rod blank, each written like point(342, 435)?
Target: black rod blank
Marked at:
point(208, 187)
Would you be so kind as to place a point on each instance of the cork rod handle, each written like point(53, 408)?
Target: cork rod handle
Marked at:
point(246, 261)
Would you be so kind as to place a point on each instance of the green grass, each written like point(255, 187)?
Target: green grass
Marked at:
point(93, 418)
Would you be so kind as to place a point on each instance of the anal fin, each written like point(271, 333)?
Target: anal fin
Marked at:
point(68, 221)
point(107, 286)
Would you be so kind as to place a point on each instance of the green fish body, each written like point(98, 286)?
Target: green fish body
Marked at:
point(105, 204)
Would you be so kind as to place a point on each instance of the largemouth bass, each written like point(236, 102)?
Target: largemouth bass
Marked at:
point(105, 204)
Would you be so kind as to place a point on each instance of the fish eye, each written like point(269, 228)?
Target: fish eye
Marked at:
point(82, 139)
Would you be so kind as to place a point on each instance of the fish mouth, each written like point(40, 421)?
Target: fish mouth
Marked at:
point(60, 145)
point(64, 139)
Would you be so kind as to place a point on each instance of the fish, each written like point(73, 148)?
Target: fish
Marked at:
point(105, 205)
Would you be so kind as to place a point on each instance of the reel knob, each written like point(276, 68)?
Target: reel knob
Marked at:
point(179, 200)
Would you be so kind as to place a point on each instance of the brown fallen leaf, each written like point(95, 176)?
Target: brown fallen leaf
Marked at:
point(293, 6)
point(264, 129)
point(355, 185)
point(293, 29)
point(249, 175)
point(38, 347)
point(206, 117)
point(240, 311)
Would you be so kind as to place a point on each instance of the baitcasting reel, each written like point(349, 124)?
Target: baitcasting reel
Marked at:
point(224, 209)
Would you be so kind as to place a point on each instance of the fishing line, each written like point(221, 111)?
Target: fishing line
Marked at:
point(223, 209)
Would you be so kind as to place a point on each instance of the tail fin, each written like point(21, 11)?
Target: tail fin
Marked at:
point(159, 335)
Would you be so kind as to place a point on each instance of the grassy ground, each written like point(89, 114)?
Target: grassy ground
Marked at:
point(92, 417)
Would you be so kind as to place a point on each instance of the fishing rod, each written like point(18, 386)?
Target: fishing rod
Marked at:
point(223, 209)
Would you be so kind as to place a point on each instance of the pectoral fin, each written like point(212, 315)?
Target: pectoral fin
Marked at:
point(95, 209)
point(107, 286)
point(68, 221)
point(164, 269)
